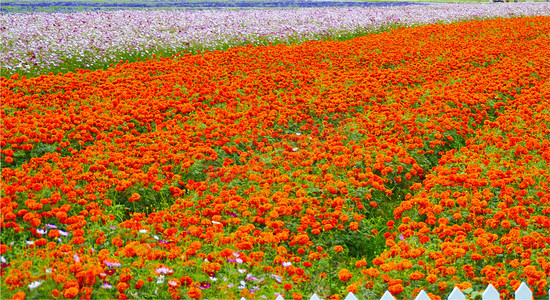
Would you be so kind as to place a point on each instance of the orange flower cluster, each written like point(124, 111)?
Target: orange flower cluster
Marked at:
point(164, 174)
point(482, 215)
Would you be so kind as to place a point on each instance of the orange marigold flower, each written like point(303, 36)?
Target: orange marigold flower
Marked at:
point(372, 272)
point(211, 267)
point(302, 239)
point(431, 278)
point(353, 288)
point(360, 263)
point(464, 285)
point(416, 275)
point(344, 275)
point(71, 292)
point(186, 281)
point(476, 256)
point(395, 289)
point(134, 197)
point(194, 293)
point(19, 295)
point(297, 296)
point(56, 293)
point(139, 284)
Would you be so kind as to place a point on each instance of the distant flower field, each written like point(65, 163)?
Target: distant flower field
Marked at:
point(97, 5)
point(40, 43)
point(413, 158)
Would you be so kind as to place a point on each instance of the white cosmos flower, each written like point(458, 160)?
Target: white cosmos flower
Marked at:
point(277, 278)
point(172, 283)
point(106, 285)
point(34, 285)
point(242, 285)
point(163, 270)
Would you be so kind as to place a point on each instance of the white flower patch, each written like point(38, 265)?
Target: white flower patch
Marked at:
point(34, 285)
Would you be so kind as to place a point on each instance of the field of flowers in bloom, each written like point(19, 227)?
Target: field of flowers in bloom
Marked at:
point(102, 5)
point(39, 43)
point(413, 158)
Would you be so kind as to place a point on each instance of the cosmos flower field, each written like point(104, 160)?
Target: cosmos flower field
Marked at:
point(406, 158)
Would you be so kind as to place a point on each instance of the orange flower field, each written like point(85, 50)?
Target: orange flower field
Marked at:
point(416, 158)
